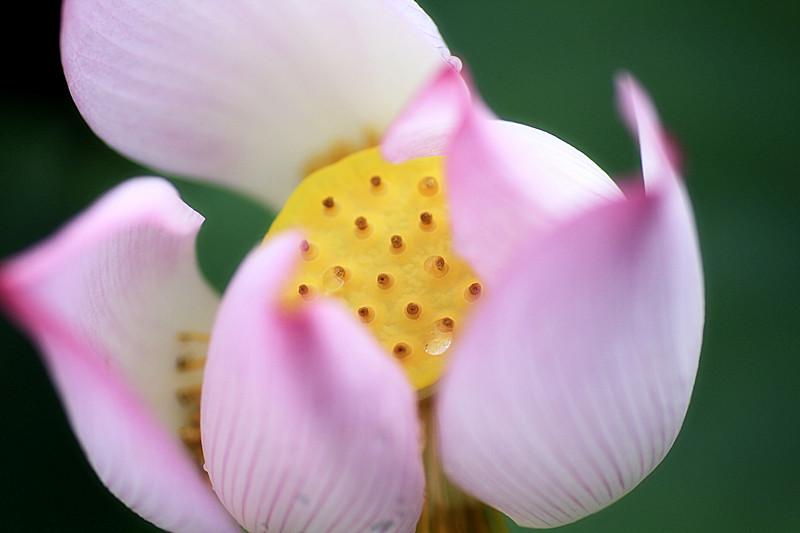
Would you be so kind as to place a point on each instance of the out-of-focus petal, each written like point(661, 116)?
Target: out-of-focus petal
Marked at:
point(657, 148)
point(307, 424)
point(426, 125)
point(243, 92)
point(508, 184)
point(411, 11)
point(105, 299)
point(594, 340)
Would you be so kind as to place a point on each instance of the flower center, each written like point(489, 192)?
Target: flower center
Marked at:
point(378, 237)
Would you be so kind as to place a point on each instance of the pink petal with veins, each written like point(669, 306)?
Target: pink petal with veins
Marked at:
point(104, 299)
point(308, 425)
point(594, 338)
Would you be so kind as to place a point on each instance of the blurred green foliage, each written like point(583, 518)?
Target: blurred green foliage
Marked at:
point(726, 79)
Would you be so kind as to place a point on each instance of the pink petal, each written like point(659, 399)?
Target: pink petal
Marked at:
point(571, 384)
point(508, 184)
point(307, 424)
point(241, 92)
point(426, 126)
point(658, 150)
point(104, 299)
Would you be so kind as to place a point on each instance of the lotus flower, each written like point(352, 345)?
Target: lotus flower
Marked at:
point(565, 381)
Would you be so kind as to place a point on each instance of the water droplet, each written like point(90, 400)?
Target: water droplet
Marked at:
point(436, 266)
point(439, 336)
point(428, 186)
point(334, 278)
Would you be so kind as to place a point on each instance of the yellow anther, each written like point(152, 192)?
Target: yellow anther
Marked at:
point(185, 363)
point(372, 244)
point(190, 395)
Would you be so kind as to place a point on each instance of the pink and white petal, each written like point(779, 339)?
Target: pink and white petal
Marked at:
point(307, 424)
point(411, 11)
point(246, 93)
point(104, 299)
point(660, 155)
point(425, 127)
point(509, 184)
point(571, 385)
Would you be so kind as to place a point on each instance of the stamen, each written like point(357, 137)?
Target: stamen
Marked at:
point(186, 363)
point(193, 336)
point(378, 187)
point(363, 228)
point(436, 266)
point(330, 207)
point(366, 314)
point(190, 434)
point(401, 350)
point(413, 310)
point(385, 281)
point(189, 395)
point(473, 292)
point(426, 222)
point(398, 245)
point(308, 250)
point(307, 292)
point(428, 186)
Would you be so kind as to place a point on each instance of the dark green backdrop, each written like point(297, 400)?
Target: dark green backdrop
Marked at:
point(725, 76)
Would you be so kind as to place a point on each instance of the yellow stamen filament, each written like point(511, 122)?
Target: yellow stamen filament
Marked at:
point(193, 336)
point(186, 363)
point(189, 395)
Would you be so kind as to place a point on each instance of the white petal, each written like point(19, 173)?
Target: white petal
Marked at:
point(244, 92)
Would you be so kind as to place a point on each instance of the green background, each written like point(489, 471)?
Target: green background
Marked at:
point(725, 77)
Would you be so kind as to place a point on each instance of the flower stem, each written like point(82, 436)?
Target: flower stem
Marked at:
point(447, 508)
